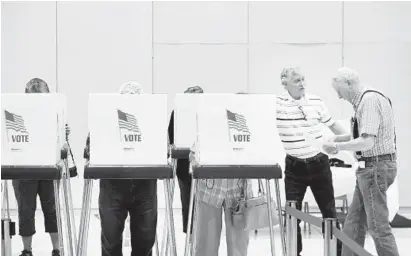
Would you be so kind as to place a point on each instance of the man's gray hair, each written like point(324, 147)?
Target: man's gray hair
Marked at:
point(347, 74)
point(288, 73)
point(37, 85)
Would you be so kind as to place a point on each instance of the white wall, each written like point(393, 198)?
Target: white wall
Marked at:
point(222, 46)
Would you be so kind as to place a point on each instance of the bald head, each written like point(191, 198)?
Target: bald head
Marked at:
point(37, 85)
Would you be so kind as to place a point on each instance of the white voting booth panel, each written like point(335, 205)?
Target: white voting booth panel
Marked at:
point(237, 130)
point(128, 130)
point(33, 129)
point(185, 124)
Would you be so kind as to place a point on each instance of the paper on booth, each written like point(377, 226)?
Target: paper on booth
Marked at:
point(33, 129)
point(128, 130)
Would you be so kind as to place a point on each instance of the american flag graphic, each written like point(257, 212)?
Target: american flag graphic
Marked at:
point(14, 122)
point(127, 121)
point(237, 122)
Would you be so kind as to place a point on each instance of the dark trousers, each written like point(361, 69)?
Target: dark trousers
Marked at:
point(315, 173)
point(121, 197)
point(26, 192)
point(184, 182)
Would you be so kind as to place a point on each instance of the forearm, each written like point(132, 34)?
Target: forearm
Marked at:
point(342, 138)
point(358, 144)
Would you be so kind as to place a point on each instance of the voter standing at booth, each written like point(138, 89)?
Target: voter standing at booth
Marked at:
point(26, 192)
point(120, 197)
point(183, 167)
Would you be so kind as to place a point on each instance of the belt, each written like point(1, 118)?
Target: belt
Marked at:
point(315, 158)
point(385, 157)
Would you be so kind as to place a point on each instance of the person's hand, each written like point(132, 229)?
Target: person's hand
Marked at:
point(330, 148)
point(332, 138)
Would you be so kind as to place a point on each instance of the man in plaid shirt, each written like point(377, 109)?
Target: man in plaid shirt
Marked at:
point(373, 142)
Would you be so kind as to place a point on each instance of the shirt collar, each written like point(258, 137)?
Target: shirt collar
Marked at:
point(290, 98)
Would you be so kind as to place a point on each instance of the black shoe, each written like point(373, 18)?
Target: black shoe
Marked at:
point(26, 253)
point(55, 253)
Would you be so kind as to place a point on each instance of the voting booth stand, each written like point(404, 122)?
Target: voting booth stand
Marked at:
point(128, 140)
point(236, 138)
point(33, 135)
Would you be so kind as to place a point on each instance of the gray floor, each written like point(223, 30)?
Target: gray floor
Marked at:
point(259, 245)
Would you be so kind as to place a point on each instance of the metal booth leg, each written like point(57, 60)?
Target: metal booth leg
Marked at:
point(270, 217)
point(6, 221)
point(58, 213)
point(190, 216)
point(280, 217)
point(85, 218)
point(171, 231)
point(165, 242)
point(68, 209)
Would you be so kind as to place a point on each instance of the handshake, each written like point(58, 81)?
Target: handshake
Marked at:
point(330, 147)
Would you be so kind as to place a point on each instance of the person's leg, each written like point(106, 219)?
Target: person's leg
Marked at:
point(373, 184)
point(113, 214)
point(48, 205)
point(184, 182)
point(323, 191)
point(209, 222)
point(355, 224)
point(237, 239)
point(143, 217)
point(295, 187)
point(26, 196)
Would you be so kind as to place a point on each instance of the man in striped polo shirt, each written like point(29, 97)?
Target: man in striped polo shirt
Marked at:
point(373, 141)
point(300, 120)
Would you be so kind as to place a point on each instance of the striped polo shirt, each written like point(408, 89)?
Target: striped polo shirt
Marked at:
point(300, 123)
point(376, 117)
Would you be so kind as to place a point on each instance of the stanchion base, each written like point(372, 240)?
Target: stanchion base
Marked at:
point(49, 172)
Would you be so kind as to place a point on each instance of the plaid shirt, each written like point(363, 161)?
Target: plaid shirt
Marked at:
point(217, 192)
point(376, 117)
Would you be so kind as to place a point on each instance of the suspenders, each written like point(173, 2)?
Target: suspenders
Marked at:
point(355, 122)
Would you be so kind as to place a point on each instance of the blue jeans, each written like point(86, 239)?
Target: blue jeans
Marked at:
point(369, 211)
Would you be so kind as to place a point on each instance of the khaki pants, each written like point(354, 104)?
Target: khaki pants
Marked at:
point(208, 233)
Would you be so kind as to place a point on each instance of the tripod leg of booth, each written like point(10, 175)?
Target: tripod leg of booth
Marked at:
point(270, 219)
point(68, 216)
point(85, 218)
point(171, 232)
point(190, 216)
point(69, 200)
point(165, 242)
point(6, 221)
point(59, 213)
point(280, 217)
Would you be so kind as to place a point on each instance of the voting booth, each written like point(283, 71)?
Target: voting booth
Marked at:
point(128, 140)
point(33, 136)
point(236, 137)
